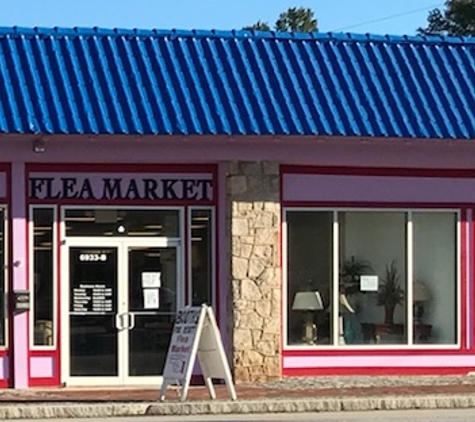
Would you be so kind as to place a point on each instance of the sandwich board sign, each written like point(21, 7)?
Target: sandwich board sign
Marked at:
point(196, 335)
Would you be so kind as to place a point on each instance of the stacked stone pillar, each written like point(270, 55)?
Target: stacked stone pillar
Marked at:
point(253, 197)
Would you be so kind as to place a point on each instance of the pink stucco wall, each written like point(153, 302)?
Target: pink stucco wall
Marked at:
point(286, 150)
point(397, 360)
point(42, 367)
point(351, 188)
point(20, 275)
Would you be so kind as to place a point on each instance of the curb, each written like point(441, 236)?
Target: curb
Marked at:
point(91, 410)
point(71, 410)
point(313, 405)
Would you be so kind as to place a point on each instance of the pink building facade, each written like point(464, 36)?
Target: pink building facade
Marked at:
point(302, 241)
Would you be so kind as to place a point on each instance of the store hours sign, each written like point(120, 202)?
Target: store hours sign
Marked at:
point(113, 186)
point(92, 298)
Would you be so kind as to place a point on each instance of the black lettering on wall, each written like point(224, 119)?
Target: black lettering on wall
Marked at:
point(206, 186)
point(117, 188)
point(169, 189)
point(150, 189)
point(133, 190)
point(112, 189)
point(190, 190)
point(86, 191)
point(69, 188)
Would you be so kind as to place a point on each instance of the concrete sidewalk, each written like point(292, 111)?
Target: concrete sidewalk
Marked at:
point(309, 394)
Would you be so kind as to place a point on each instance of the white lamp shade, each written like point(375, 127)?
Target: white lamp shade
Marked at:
point(307, 301)
point(421, 292)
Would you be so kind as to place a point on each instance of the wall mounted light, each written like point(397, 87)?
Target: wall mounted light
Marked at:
point(39, 145)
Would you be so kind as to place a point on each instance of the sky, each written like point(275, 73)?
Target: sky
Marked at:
point(401, 17)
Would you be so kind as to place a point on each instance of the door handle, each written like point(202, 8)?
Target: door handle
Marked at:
point(119, 321)
point(131, 320)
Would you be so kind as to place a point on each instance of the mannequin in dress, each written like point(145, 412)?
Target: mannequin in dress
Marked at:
point(345, 309)
point(349, 324)
point(345, 305)
point(350, 298)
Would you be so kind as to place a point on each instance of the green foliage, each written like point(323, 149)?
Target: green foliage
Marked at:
point(350, 273)
point(390, 292)
point(458, 19)
point(258, 26)
point(294, 19)
point(352, 269)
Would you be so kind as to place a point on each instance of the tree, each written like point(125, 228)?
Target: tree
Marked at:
point(258, 26)
point(295, 19)
point(458, 19)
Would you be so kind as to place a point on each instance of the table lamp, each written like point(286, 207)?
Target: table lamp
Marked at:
point(308, 303)
point(420, 295)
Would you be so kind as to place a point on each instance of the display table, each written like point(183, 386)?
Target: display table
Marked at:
point(389, 334)
point(422, 332)
point(395, 333)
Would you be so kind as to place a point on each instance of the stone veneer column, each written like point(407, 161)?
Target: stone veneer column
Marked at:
point(253, 197)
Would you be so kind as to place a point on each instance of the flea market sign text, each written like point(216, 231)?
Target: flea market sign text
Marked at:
point(97, 186)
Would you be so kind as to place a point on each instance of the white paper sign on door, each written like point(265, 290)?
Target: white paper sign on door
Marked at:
point(150, 279)
point(151, 298)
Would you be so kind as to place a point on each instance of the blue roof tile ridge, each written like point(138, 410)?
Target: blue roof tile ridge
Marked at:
point(19, 31)
point(206, 82)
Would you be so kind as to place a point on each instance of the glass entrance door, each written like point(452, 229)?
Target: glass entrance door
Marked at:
point(93, 312)
point(152, 291)
point(123, 295)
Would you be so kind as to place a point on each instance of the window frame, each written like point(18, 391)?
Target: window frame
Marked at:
point(189, 270)
point(31, 276)
point(409, 239)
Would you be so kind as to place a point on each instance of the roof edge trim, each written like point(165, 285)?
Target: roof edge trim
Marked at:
point(17, 31)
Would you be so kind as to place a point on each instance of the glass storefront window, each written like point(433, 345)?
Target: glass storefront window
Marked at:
point(201, 256)
point(397, 275)
point(122, 222)
point(43, 277)
point(435, 277)
point(372, 282)
point(309, 270)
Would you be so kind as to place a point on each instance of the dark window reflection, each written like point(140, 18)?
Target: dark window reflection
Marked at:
point(43, 219)
point(152, 303)
point(122, 222)
point(201, 257)
point(93, 308)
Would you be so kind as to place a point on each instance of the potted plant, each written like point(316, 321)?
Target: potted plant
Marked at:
point(390, 293)
point(350, 273)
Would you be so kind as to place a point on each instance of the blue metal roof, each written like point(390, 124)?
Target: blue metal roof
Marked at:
point(97, 81)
